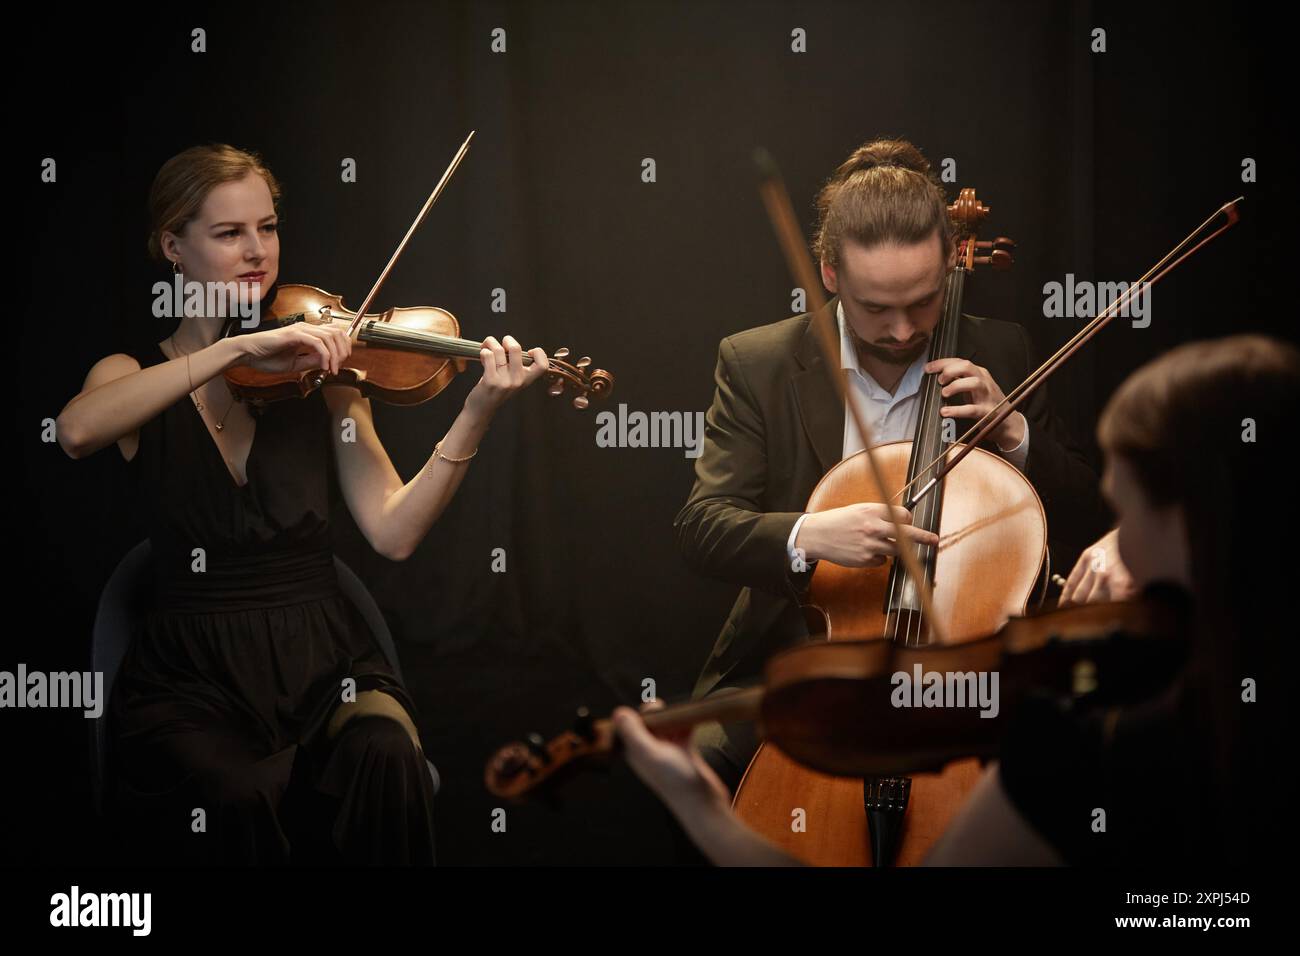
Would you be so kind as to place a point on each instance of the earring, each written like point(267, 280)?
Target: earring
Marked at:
point(176, 267)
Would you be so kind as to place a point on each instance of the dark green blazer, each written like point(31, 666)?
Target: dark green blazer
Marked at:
point(776, 427)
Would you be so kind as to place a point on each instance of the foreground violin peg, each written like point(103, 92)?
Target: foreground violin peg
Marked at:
point(583, 725)
point(537, 747)
point(521, 768)
point(510, 763)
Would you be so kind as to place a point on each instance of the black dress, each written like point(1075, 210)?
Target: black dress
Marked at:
point(1130, 785)
point(224, 697)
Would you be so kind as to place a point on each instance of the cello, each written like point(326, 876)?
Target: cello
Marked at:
point(992, 547)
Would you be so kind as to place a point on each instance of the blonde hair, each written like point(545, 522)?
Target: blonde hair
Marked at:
point(185, 180)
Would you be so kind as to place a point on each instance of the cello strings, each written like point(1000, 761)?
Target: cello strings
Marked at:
point(930, 433)
point(948, 334)
point(929, 411)
point(897, 578)
point(923, 436)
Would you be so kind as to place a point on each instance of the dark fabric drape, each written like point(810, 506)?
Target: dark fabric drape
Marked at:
point(1096, 163)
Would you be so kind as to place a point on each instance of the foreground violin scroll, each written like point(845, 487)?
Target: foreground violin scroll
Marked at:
point(832, 706)
point(522, 767)
point(403, 356)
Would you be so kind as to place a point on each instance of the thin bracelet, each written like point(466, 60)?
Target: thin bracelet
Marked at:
point(437, 453)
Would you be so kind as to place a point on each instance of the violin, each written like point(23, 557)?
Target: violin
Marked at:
point(403, 356)
point(833, 706)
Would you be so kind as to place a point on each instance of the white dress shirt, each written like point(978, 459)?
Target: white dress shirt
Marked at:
point(890, 417)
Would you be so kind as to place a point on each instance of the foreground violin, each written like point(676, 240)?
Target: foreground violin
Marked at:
point(403, 356)
point(834, 706)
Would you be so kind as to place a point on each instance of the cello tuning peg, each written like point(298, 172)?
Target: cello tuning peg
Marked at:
point(584, 361)
point(561, 353)
point(580, 401)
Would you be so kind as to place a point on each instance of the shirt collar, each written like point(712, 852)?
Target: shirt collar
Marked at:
point(909, 384)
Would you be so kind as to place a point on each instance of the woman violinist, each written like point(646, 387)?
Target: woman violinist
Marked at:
point(251, 671)
point(1195, 443)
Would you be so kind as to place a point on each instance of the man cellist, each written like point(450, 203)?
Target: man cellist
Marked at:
point(1177, 777)
point(885, 243)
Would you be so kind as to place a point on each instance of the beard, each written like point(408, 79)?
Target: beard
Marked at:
point(892, 356)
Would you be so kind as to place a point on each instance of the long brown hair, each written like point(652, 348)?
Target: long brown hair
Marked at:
point(884, 192)
point(1207, 426)
point(185, 180)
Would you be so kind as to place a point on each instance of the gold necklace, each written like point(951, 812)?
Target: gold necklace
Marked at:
point(198, 405)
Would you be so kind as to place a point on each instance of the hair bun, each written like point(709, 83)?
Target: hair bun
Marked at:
point(883, 153)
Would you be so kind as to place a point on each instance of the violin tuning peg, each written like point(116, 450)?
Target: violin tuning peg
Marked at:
point(580, 401)
point(561, 353)
point(584, 361)
point(557, 388)
point(511, 762)
point(583, 725)
point(537, 747)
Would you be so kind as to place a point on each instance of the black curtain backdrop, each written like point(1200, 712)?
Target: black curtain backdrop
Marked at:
point(1096, 164)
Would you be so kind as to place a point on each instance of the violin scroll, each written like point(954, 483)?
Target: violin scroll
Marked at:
point(521, 767)
point(562, 376)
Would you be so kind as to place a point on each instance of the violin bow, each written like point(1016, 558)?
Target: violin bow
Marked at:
point(401, 246)
point(999, 412)
point(799, 262)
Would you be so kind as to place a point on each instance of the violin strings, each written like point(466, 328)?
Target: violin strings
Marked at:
point(380, 331)
point(466, 348)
